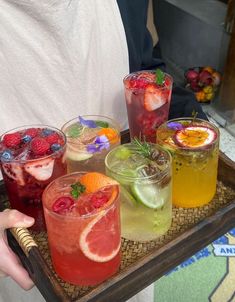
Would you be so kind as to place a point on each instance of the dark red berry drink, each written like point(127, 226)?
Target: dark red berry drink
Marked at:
point(31, 157)
point(148, 95)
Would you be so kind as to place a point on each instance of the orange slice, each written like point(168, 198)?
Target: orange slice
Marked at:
point(93, 181)
point(100, 241)
point(111, 134)
point(195, 136)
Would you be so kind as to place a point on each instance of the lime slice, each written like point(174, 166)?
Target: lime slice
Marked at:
point(148, 194)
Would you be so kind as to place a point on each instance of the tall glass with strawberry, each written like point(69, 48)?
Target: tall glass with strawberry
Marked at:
point(30, 158)
point(89, 139)
point(148, 96)
point(83, 224)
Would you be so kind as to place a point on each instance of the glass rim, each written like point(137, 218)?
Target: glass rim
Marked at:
point(126, 77)
point(116, 127)
point(201, 148)
point(48, 187)
point(141, 178)
point(25, 127)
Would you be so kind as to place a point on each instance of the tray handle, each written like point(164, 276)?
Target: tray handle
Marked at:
point(24, 239)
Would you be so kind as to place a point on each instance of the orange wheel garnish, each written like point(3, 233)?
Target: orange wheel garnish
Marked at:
point(111, 134)
point(93, 181)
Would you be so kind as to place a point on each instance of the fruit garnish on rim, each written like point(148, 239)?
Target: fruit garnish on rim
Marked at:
point(91, 193)
point(195, 136)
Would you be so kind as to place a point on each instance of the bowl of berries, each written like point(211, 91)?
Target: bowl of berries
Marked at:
point(203, 81)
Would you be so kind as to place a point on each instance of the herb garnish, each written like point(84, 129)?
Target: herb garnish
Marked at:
point(143, 148)
point(75, 131)
point(160, 77)
point(77, 189)
point(194, 115)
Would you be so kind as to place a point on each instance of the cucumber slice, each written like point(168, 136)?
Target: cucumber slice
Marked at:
point(148, 194)
point(78, 156)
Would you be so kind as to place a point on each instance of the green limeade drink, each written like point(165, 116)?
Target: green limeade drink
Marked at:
point(144, 173)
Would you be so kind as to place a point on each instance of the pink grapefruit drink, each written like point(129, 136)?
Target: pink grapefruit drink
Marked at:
point(148, 95)
point(30, 158)
point(83, 224)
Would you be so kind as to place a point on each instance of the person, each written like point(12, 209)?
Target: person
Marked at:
point(9, 263)
point(64, 58)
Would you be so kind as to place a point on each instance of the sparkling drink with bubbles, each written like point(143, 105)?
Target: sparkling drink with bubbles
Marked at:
point(194, 145)
point(89, 139)
point(31, 157)
point(148, 95)
point(144, 173)
point(83, 224)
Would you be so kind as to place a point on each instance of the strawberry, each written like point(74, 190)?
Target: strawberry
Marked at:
point(32, 132)
point(12, 140)
point(153, 98)
point(40, 169)
point(52, 138)
point(39, 146)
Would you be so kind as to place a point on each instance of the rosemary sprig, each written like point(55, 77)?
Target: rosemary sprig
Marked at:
point(143, 148)
point(194, 116)
point(77, 189)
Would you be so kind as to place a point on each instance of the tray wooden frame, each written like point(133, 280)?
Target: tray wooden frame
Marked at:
point(143, 272)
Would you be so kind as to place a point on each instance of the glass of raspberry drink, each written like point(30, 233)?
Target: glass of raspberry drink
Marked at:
point(83, 223)
point(89, 139)
point(31, 157)
point(148, 96)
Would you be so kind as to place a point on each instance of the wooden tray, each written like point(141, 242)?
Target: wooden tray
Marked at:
point(142, 263)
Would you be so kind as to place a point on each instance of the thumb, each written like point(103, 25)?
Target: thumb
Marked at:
point(14, 218)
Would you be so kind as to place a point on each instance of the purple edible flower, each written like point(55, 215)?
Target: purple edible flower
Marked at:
point(175, 126)
point(101, 142)
point(87, 123)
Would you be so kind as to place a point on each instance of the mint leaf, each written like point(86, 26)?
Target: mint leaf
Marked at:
point(160, 77)
point(102, 124)
point(75, 131)
point(77, 189)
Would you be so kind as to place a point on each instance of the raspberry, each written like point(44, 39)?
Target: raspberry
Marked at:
point(62, 205)
point(52, 138)
point(99, 199)
point(39, 146)
point(31, 132)
point(12, 139)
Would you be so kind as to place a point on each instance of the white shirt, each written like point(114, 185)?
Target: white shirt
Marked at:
point(60, 59)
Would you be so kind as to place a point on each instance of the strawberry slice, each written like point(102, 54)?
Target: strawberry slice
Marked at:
point(14, 171)
point(154, 98)
point(40, 169)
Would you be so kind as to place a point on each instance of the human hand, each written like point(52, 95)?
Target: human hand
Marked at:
point(10, 264)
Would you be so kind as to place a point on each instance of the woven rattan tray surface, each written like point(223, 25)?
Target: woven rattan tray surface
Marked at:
point(141, 263)
point(132, 252)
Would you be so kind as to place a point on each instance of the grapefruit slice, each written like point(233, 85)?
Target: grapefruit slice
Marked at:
point(100, 240)
point(195, 136)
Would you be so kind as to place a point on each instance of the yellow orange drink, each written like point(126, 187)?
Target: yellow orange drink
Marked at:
point(194, 145)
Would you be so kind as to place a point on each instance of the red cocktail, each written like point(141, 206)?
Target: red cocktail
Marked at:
point(148, 95)
point(31, 157)
point(83, 224)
